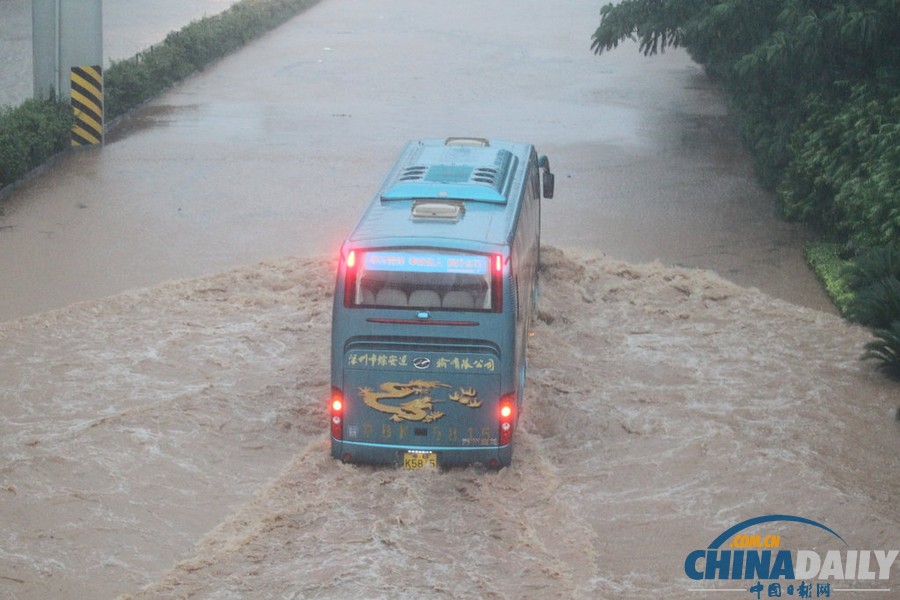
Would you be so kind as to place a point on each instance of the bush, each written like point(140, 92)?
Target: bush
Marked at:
point(31, 134)
point(886, 348)
point(827, 261)
point(878, 304)
point(866, 289)
point(845, 173)
point(873, 265)
point(874, 281)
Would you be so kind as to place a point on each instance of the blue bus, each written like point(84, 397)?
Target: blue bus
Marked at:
point(435, 291)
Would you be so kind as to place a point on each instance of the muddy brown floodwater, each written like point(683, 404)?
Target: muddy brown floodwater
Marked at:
point(187, 453)
point(166, 306)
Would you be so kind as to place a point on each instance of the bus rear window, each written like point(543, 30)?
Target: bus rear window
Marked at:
point(422, 279)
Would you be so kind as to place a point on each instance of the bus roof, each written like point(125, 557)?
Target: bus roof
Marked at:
point(465, 189)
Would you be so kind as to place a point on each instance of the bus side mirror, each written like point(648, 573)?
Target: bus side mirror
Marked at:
point(547, 181)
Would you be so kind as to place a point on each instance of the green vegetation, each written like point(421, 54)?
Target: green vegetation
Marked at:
point(886, 348)
point(845, 174)
point(814, 88)
point(33, 132)
point(874, 278)
point(825, 258)
point(30, 134)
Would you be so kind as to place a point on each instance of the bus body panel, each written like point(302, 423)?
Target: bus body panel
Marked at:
point(406, 399)
point(433, 296)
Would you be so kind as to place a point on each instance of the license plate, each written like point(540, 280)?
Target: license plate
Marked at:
point(420, 460)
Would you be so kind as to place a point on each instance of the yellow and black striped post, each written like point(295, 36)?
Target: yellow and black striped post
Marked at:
point(87, 105)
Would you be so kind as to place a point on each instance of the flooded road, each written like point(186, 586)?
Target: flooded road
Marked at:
point(187, 454)
point(128, 27)
point(170, 441)
point(275, 150)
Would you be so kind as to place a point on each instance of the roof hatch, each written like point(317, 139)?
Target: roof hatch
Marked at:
point(437, 210)
point(475, 142)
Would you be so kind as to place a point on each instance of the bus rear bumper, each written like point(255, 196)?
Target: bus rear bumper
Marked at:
point(493, 457)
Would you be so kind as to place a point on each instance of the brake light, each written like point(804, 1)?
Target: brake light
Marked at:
point(337, 414)
point(497, 283)
point(507, 418)
point(350, 278)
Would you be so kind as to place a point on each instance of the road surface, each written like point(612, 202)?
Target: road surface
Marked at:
point(275, 150)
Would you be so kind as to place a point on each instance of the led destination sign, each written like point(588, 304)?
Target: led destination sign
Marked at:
point(427, 262)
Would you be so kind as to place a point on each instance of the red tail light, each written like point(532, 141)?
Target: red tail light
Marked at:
point(350, 278)
point(507, 418)
point(337, 414)
point(497, 283)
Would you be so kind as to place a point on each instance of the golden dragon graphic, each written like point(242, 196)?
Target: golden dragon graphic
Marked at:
point(421, 407)
point(466, 397)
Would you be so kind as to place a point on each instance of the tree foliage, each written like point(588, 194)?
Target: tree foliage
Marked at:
point(656, 24)
point(845, 172)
